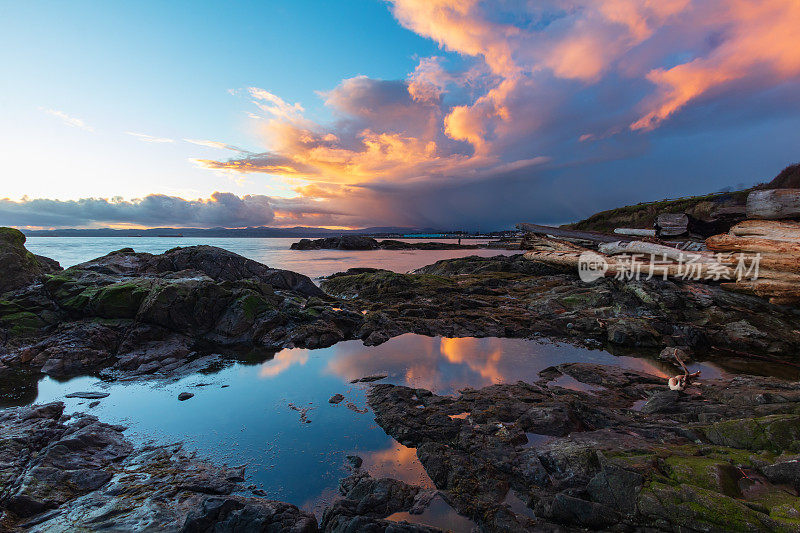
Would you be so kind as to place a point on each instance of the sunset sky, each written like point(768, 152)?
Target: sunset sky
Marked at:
point(438, 113)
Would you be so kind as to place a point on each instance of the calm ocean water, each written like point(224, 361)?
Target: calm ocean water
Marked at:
point(273, 252)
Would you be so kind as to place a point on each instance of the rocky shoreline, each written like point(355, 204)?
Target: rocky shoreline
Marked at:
point(356, 242)
point(613, 450)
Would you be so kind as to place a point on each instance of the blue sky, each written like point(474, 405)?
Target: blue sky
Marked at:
point(165, 69)
point(448, 113)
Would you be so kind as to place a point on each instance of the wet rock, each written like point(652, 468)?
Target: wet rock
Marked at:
point(673, 353)
point(236, 513)
point(369, 379)
point(353, 407)
point(133, 314)
point(368, 501)
point(345, 242)
point(785, 471)
point(336, 398)
point(568, 510)
point(88, 395)
point(354, 461)
point(63, 473)
point(303, 412)
point(185, 396)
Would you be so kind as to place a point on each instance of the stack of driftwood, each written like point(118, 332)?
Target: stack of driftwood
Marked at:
point(758, 256)
point(771, 240)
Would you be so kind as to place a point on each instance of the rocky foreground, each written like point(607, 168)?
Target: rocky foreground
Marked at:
point(622, 454)
point(62, 473)
point(586, 447)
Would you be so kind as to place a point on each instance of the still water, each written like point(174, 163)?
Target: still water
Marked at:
point(273, 252)
point(243, 413)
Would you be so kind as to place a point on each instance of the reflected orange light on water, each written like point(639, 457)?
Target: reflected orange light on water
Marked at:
point(282, 361)
point(399, 462)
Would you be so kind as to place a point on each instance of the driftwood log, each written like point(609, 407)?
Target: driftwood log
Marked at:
point(658, 251)
point(731, 243)
point(775, 247)
point(773, 230)
point(672, 224)
point(774, 204)
point(562, 233)
point(635, 232)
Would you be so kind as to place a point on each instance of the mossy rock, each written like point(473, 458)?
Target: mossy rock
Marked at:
point(708, 472)
point(22, 323)
point(699, 509)
point(385, 283)
point(18, 266)
point(89, 297)
point(775, 433)
point(121, 300)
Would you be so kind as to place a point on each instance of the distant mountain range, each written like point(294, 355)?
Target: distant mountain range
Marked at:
point(262, 231)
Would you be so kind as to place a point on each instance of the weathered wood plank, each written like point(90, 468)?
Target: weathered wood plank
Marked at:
point(774, 204)
point(768, 229)
point(659, 251)
point(635, 232)
point(562, 233)
point(730, 243)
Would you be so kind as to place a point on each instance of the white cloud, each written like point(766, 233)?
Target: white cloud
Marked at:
point(149, 138)
point(216, 144)
point(68, 119)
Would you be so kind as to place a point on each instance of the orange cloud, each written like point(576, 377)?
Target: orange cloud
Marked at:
point(536, 81)
point(757, 42)
point(282, 361)
point(460, 26)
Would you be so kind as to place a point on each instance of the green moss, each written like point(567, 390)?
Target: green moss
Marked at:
point(696, 508)
point(13, 236)
point(704, 471)
point(775, 433)
point(115, 300)
point(644, 296)
point(253, 305)
point(581, 300)
point(121, 300)
point(22, 323)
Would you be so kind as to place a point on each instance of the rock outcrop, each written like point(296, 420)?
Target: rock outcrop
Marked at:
point(345, 242)
point(136, 313)
point(356, 242)
point(18, 266)
point(508, 296)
